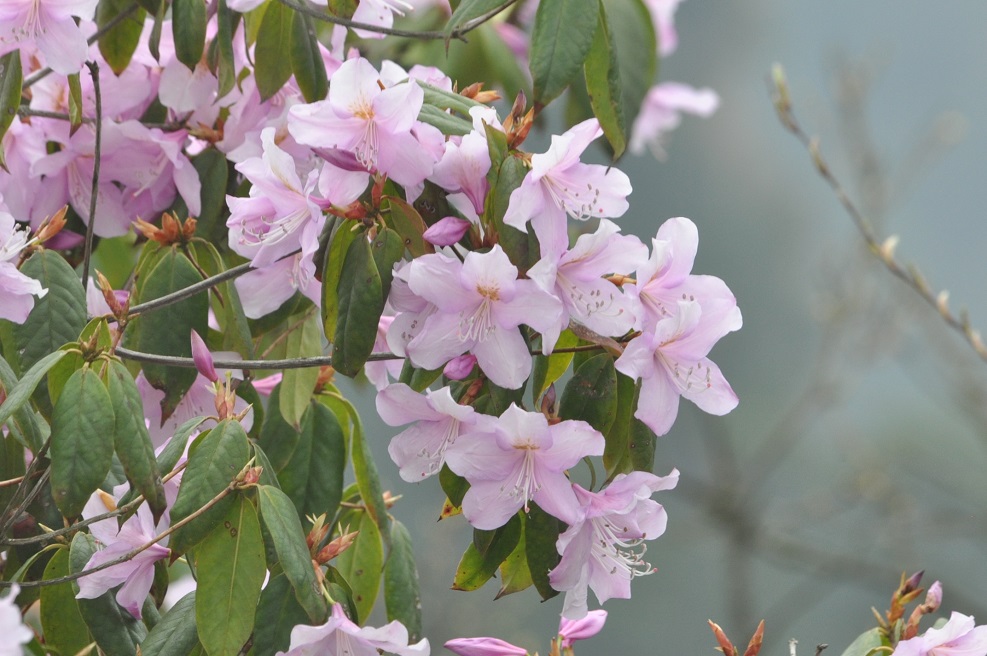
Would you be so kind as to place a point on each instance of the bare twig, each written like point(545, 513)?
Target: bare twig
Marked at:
point(91, 224)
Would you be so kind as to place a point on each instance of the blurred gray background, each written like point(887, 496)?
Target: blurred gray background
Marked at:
point(859, 447)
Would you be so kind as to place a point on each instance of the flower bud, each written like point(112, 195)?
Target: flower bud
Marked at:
point(447, 231)
point(202, 357)
point(587, 627)
point(459, 367)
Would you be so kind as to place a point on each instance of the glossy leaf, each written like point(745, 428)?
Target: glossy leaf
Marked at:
point(81, 441)
point(59, 316)
point(231, 566)
point(288, 537)
point(477, 567)
point(298, 385)
point(273, 49)
point(362, 566)
point(560, 40)
point(408, 223)
point(131, 439)
point(306, 59)
point(11, 81)
point(402, 595)
point(118, 44)
point(278, 612)
point(591, 393)
point(188, 24)
point(636, 46)
point(173, 272)
point(313, 477)
point(602, 73)
point(541, 531)
point(548, 369)
point(64, 628)
point(339, 244)
point(175, 634)
point(116, 632)
point(642, 446)
point(616, 454)
point(360, 306)
point(213, 463)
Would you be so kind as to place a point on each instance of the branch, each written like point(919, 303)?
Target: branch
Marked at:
point(192, 290)
point(883, 250)
point(91, 224)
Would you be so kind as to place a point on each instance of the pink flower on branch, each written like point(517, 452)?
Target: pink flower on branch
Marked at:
point(51, 26)
point(483, 647)
point(341, 637)
point(661, 112)
point(17, 291)
point(957, 637)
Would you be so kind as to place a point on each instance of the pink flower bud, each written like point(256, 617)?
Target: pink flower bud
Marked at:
point(202, 358)
point(933, 598)
point(447, 231)
point(587, 627)
point(459, 367)
point(483, 647)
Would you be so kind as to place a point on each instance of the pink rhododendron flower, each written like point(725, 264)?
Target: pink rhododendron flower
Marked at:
point(957, 637)
point(572, 630)
point(483, 647)
point(136, 574)
point(51, 26)
point(480, 304)
point(464, 168)
point(17, 291)
point(12, 628)
point(604, 550)
point(373, 123)
point(671, 362)
point(559, 185)
point(661, 112)
point(438, 420)
point(380, 373)
point(264, 290)
point(518, 459)
point(341, 637)
point(447, 231)
point(663, 15)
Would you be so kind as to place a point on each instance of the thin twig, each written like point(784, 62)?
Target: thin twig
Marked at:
point(31, 472)
point(91, 224)
point(192, 290)
point(116, 20)
point(23, 111)
point(883, 250)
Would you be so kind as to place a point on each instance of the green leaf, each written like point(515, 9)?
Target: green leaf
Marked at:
point(59, 316)
point(11, 81)
point(560, 40)
point(616, 455)
point(173, 272)
point(388, 249)
point(514, 573)
point(360, 305)
point(64, 628)
point(367, 478)
point(81, 441)
point(175, 634)
point(169, 456)
point(339, 244)
point(476, 567)
point(188, 24)
point(408, 223)
point(313, 477)
point(541, 531)
point(131, 439)
point(522, 248)
point(75, 103)
point(443, 99)
point(213, 463)
point(298, 385)
point(548, 369)
point(602, 72)
point(591, 393)
point(469, 10)
point(278, 438)
point(402, 595)
point(277, 614)
point(20, 394)
point(273, 50)
point(114, 629)
point(230, 564)
point(447, 124)
point(118, 44)
point(454, 485)
point(63, 370)
point(306, 60)
point(213, 170)
point(23, 423)
point(418, 379)
point(225, 67)
point(866, 643)
point(288, 537)
point(634, 37)
point(642, 446)
point(362, 565)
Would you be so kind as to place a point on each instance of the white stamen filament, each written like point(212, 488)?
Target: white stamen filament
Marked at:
point(478, 324)
point(276, 229)
point(587, 303)
point(526, 483)
point(435, 458)
point(578, 203)
point(618, 555)
point(14, 244)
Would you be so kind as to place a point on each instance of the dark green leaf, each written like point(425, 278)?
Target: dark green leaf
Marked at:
point(59, 316)
point(634, 37)
point(521, 247)
point(213, 170)
point(288, 537)
point(339, 245)
point(453, 485)
point(476, 567)
point(642, 446)
point(64, 628)
point(541, 531)
point(172, 337)
point(591, 393)
point(298, 385)
point(602, 72)
point(367, 478)
point(114, 629)
point(175, 634)
point(131, 440)
point(81, 441)
point(20, 394)
point(388, 249)
point(408, 223)
point(273, 50)
point(313, 477)
point(75, 103)
point(514, 573)
point(360, 305)
point(548, 369)
point(416, 378)
point(213, 463)
point(402, 595)
point(24, 425)
point(278, 438)
point(561, 38)
point(616, 455)
point(188, 24)
point(169, 456)
point(277, 614)
point(306, 60)
point(362, 565)
point(231, 566)
point(11, 81)
point(63, 370)
point(118, 44)
point(225, 67)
